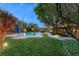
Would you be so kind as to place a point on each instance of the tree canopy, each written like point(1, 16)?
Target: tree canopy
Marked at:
point(62, 15)
point(7, 21)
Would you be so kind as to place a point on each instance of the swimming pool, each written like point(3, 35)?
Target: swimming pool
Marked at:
point(32, 34)
point(29, 34)
point(26, 35)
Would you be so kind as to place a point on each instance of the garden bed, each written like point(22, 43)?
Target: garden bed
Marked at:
point(72, 47)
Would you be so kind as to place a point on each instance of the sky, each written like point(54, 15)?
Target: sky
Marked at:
point(23, 11)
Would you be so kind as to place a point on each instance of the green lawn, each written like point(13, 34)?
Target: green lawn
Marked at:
point(34, 47)
point(44, 46)
point(40, 47)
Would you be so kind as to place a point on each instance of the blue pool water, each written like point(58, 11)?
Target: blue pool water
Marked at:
point(29, 34)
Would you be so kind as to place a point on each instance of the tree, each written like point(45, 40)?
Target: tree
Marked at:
point(59, 16)
point(23, 26)
point(32, 27)
point(7, 21)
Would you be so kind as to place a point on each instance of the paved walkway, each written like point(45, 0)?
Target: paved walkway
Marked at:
point(60, 37)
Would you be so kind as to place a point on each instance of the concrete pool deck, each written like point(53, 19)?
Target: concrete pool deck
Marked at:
point(21, 36)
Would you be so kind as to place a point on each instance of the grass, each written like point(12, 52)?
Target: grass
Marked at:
point(44, 46)
point(34, 47)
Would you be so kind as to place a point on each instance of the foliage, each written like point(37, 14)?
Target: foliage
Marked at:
point(32, 27)
point(7, 21)
point(62, 17)
point(72, 47)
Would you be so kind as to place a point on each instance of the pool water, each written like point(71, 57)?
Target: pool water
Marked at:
point(29, 34)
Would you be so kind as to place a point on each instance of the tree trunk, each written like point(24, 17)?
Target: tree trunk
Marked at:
point(62, 18)
point(1, 42)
